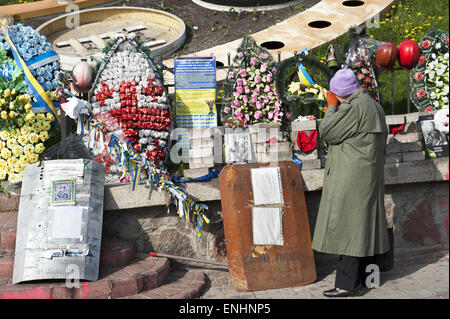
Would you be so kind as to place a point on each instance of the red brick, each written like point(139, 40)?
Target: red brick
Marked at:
point(152, 280)
point(122, 288)
point(114, 283)
point(162, 275)
point(62, 292)
point(6, 266)
point(115, 253)
point(5, 217)
point(100, 289)
point(7, 240)
point(38, 291)
point(10, 203)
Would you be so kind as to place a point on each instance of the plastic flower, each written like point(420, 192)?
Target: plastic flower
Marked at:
point(46, 126)
point(5, 153)
point(41, 117)
point(11, 142)
point(43, 136)
point(4, 135)
point(22, 140)
point(39, 148)
point(34, 138)
point(421, 93)
point(28, 149)
point(12, 161)
point(50, 117)
point(36, 127)
point(29, 118)
point(426, 44)
point(418, 76)
point(17, 150)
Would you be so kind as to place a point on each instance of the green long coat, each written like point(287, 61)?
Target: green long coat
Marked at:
point(352, 218)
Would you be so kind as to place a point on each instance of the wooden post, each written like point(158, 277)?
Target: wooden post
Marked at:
point(392, 92)
point(408, 102)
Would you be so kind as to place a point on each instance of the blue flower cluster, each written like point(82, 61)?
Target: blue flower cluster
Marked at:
point(30, 43)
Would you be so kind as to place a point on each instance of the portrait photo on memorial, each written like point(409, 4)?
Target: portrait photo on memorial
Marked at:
point(238, 148)
point(434, 140)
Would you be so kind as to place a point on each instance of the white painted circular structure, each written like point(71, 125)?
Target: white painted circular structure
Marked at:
point(226, 6)
point(82, 34)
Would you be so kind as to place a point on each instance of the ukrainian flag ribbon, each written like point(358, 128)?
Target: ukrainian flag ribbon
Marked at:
point(303, 76)
point(43, 100)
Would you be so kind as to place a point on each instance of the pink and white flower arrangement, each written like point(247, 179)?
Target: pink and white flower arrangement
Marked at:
point(254, 96)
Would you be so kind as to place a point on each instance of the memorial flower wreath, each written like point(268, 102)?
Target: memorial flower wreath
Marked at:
point(251, 95)
point(22, 131)
point(430, 76)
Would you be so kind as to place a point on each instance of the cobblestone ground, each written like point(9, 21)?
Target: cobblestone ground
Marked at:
point(406, 281)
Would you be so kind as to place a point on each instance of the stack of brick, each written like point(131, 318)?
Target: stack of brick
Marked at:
point(268, 143)
point(406, 145)
point(205, 150)
point(310, 160)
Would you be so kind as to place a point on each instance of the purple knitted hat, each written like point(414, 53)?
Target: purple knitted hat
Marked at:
point(344, 83)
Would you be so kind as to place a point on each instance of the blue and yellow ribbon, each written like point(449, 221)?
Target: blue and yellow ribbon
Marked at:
point(43, 100)
point(303, 75)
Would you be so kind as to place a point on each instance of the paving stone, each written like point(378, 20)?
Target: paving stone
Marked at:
point(393, 158)
point(395, 119)
point(203, 142)
point(413, 156)
point(311, 164)
point(203, 162)
point(305, 156)
point(411, 147)
point(264, 135)
point(261, 147)
point(409, 137)
point(303, 126)
point(393, 148)
point(205, 152)
point(268, 294)
point(280, 147)
point(195, 172)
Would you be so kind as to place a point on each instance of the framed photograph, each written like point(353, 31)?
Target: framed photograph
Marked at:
point(238, 148)
point(63, 192)
point(435, 141)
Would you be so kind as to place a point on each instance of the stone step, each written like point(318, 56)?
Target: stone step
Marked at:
point(143, 274)
point(188, 285)
point(114, 254)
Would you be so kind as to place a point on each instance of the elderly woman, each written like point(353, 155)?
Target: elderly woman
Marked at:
point(352, 221)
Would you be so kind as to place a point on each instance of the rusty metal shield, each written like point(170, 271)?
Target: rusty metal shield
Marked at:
point(59, 225)
point(267, 237)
